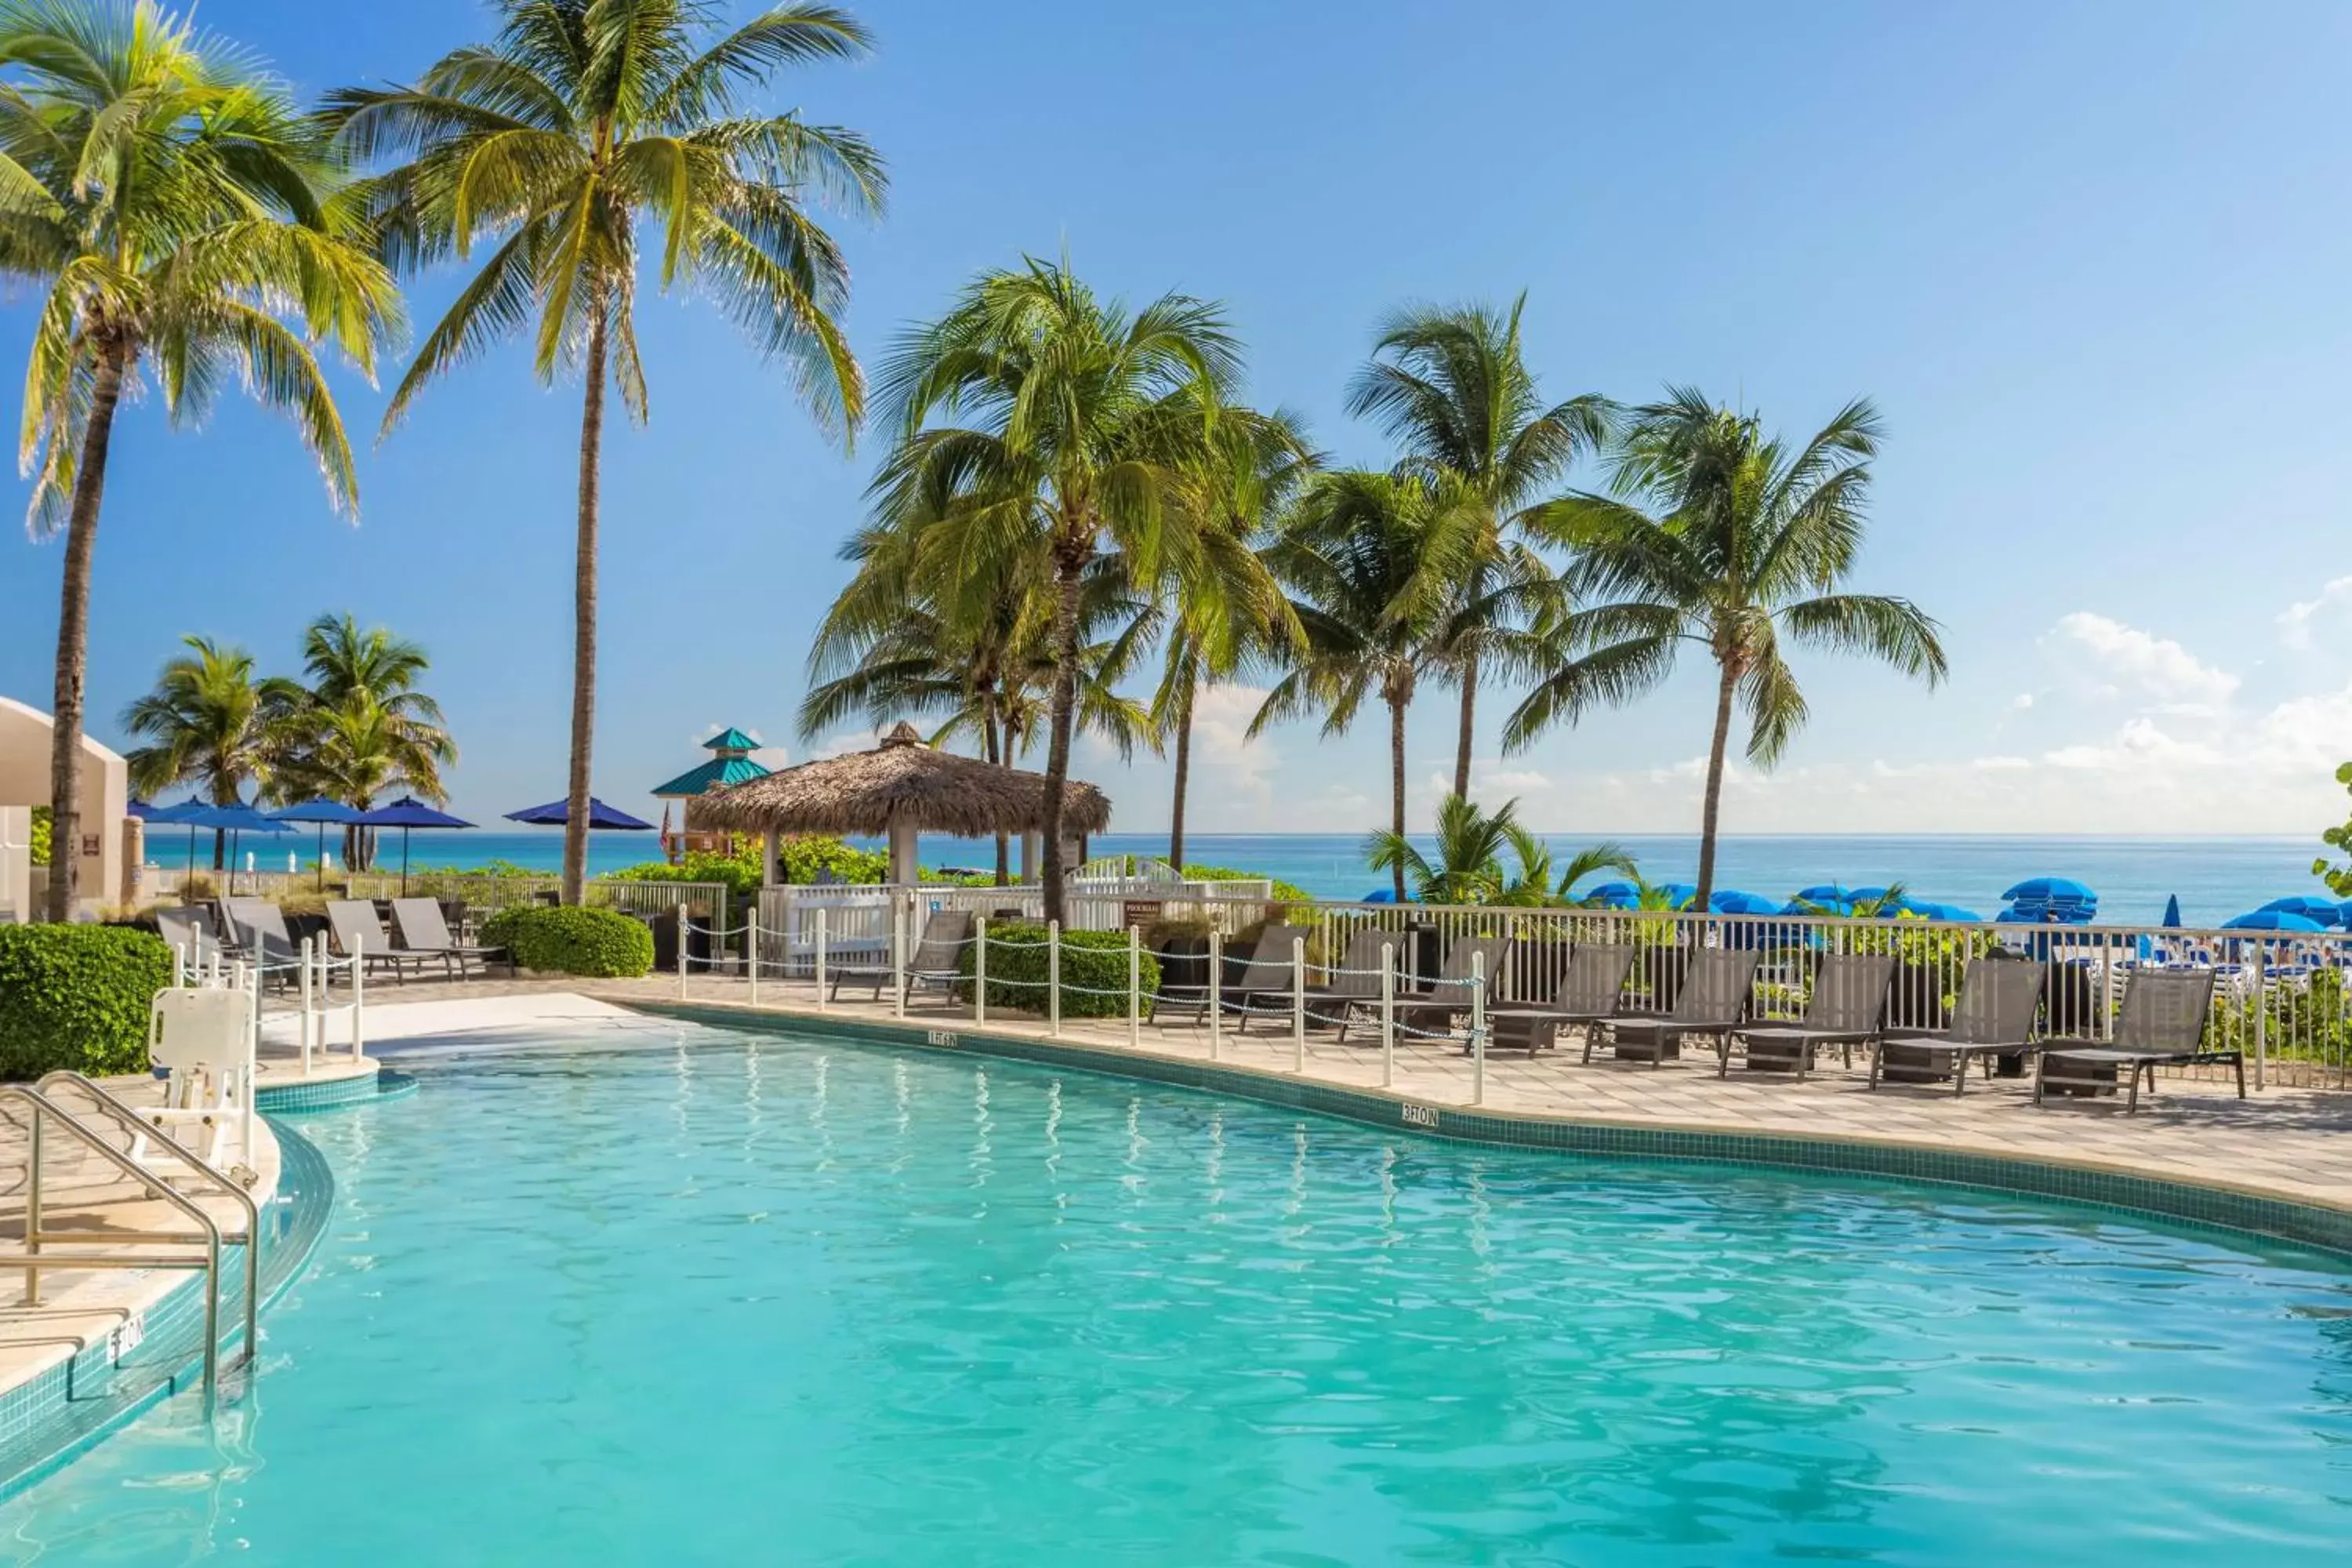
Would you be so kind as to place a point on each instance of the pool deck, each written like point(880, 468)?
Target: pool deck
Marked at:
point(2286, 1143)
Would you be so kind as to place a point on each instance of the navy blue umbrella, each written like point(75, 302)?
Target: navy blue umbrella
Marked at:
point(233, 820)
point(406, 813)
point(2050, 890)
point(2317, 910)
point(2172, 913)
point(557, 813)
point(1615, 894)
point(1732, 902)
point(2272, 919)
point(321, 811)
point(175, 813)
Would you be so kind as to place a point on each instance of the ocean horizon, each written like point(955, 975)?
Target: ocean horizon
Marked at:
point(2214, 876)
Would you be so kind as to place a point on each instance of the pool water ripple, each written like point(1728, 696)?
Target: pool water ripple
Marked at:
point(722, 1299)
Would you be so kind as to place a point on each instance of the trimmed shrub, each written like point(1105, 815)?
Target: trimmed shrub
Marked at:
point(1094, 971)
point(77, 996)
point(603, 944)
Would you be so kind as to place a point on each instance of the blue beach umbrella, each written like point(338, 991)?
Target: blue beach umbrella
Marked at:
point(1826, 893)
point(1615, 894)
point(1732, 902)
point(175, 813)
point(2050, 890)
point(1382, 896)
point(320, 811)
point(233, 820)
point(2172, 913)
point(557, 813)
point(2272, 919)
point(406, 813)
point(1678, 893)
point(2310, 909)
point(1953, 912)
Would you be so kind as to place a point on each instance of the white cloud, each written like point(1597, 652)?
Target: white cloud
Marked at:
point(2130, 660)
point(1225, 758)
point(2296, 621)
point(772, 757)
point(2021, 702)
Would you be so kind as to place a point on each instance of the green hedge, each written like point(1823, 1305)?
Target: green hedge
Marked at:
point(77, 996)
point(1093, 963)
point(603, 944)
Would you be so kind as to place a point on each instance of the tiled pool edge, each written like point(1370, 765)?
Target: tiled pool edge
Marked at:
point(305, 1097)
point(2214, 1207)
point(52, 1419)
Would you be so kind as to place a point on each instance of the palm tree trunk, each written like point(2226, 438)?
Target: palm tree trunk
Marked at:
point(584, 618)
point(1396, 786)
point(1063, 706)
point(1469, 725)
point(1183, 778)
point(73, 639)
point(996, 757)
point(1725, 687)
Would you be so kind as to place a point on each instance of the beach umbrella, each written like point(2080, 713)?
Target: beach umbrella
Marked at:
point(404, 813)
point(1613, 895)
point(320, 811)
point(233, 820)
point(2172, 913)
point(2272, 919)
point(2317, 910)
point(2050, 890)
point(145, 810)
point(1826, 893)
point(1678, 893)
point(1382, 896)
point(557, 813)
point(1732, 902)
point(1948, 913)
point(173, 815)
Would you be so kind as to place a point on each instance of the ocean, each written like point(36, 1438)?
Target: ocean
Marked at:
point(2214, 877)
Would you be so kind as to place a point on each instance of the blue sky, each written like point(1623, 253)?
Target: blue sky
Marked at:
point(2089, 261)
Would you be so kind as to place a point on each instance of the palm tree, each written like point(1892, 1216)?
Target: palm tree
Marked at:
point(1468, 864)
point(171, 202)
point(211, 723)
point(1233, 613)
point(1744, 542)
point(1453, 386)
point(552, 143)
point(1541, 880)
point(367, 728)
point(1355, 542)
point(1079, 421)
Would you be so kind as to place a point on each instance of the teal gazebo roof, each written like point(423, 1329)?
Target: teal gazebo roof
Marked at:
point(730, 765)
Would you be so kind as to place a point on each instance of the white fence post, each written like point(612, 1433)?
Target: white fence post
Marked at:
point(682, 924)
point(820, 957)
point(1478, 1028)
point(1054, 978)
point(2261, 1014)
point(1299, 1004)
point(1388, 1015)
point(1216, 989)
point(979, 969)
point(310, 1018)
point(752, 950)
point(899, 911)
point(1134, 986)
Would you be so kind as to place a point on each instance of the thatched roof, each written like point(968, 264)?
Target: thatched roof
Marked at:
point(864, 792)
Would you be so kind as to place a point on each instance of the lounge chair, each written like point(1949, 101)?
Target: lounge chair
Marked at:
point(1432, 1010)
point(936, 961)
point(1714, 997)
point(189, 929)
point(1847, 1008)
point(424, 930)
point(1355, 983)
point(261, 933)
point(2162, 1023)
point(1184, 975)
point(356, 930)
point(1594, 989)
point(1993, 1022)
point(1261, 983)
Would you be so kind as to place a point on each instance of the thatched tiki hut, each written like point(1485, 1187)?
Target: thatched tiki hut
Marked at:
point(900, 788)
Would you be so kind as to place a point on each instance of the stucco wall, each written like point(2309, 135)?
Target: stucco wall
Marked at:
point(25, 735)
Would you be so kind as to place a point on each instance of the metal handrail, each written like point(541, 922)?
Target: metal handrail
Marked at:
point(126, 1115)
point(30, 1262)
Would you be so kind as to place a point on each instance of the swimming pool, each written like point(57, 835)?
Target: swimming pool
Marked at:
point(710, 1297)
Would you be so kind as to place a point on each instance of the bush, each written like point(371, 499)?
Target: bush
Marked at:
point(800, 856)
point(1094, 971)
point(1283, 893)
point(41, 835)
point(77, 996)
point(602, 943)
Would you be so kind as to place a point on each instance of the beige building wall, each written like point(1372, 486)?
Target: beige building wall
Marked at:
point(25, 737)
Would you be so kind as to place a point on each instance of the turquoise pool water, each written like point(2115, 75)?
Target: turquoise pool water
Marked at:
point(715, 1298)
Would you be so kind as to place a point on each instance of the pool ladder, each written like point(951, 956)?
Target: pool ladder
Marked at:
point(44, 1111)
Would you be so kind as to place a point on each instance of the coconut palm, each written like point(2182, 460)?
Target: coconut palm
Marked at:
point(166, 195)
point(1744, 542)
point(552, 144)
point(1539, 880)
point(360, 749)
point(1451, 385)
point(1346, 555)
point(1467, 866)
point(1043, 428)
point(212, 723)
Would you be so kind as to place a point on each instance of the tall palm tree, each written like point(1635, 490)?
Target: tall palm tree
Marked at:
point(1077, 421)
point(553, 144)
point(367, 728)
point(211, 723)
point(1743, 540)
point(171, 202)
point(1346, 555)
point(1232, 613)
point(1451, 385)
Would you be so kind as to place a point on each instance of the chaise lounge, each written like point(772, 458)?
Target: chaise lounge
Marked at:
point(1714, 995)
point(2163, 1023)
point(1847, 1008)
point(1992, 1023)
point(1592, 990)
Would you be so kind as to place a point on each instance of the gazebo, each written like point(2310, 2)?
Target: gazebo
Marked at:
point(731, 764)
point(900, 788)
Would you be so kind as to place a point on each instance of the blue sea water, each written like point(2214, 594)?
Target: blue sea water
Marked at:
point(728, 1299)
point(2215, 878)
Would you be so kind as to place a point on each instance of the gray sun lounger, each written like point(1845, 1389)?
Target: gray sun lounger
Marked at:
point(190, 929)
point(1261, 985)
point(1847, 1008)
point(2162, 1023)
point(1355, 983)
point(1432, 1010)
point(262, 936)
point(1715, 994)
point(424, 930)
point(936, 961)
point(1993, 1022)
point(359, 934)
point(1592, 990)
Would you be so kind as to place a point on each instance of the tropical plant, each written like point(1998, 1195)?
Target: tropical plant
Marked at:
point(1540, 880)
point(1467, 868)
point(211, 723)
point(1743, 540)
point(1077, 421)
point(169, 197)
point(2338, 877)
point(582, 120)
point(1453, 386)
point(367, 730)
point(1345, 556)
